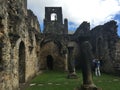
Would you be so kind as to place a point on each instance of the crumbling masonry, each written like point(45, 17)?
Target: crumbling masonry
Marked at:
point(24, 50)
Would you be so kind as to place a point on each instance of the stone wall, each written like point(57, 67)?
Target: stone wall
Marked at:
point(18, 44)
point(116, 62)
point(5, 72)
point(51, 49)
point(104, 39)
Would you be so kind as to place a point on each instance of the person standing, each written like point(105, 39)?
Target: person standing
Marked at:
point(97, 68)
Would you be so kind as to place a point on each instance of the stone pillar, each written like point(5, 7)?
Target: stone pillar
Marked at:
point(71, 64)
point(86, 58)
point(66, 26)
point(66, 62)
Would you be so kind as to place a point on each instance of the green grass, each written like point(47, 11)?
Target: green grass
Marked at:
point(107, 82)
point(53, 80)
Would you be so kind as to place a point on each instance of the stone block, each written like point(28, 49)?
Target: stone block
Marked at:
point(72, 76)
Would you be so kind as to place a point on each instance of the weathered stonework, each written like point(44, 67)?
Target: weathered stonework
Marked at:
point(18, 46)
point(24, 50)
point(103, 40)
point(56, 25)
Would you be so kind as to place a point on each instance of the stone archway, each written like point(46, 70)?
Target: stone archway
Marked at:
point(49, 62)
point(21, 66)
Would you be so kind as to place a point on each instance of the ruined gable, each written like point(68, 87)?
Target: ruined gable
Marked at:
point(53, 22)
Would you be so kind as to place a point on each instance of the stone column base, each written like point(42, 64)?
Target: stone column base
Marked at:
point(87, 88)
point(72, 76)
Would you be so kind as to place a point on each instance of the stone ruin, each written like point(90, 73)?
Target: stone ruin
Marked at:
point(25, 50)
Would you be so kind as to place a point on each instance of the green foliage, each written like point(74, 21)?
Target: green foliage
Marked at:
point(52, 80)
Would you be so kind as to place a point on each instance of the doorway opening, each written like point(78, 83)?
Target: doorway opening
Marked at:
point(21, 63)
point(50, 62)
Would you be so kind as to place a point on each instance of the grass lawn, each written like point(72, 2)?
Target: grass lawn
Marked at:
point(53, 80)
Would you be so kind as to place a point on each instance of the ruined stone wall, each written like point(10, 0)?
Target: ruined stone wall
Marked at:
point(24, 51)
point(33, 21)
point(117, 54)
point(5, 62)
point(103, 40)
point(33, 45)
point(18, 60)
point(17, 34)
point(56, 25)
point(53, 50)
point(116, 63)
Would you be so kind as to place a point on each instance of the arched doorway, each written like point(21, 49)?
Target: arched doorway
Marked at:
point(21, 63)
point(50, 62)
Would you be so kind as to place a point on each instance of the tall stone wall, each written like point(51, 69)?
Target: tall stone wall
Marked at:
point(18, 44)
point(104, 39)
point(5, 71)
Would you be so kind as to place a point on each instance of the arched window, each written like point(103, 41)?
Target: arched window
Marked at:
point(53, 17)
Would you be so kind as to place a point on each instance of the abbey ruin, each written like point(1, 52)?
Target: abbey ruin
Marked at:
point(25, 50)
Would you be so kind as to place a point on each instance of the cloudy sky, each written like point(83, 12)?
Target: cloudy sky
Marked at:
point(94, 11)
